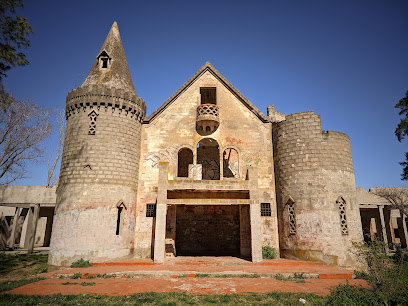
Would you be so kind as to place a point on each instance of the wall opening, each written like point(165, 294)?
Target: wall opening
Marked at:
point(185, 158)
point(208, 95)
point(343, 221)
point(208, 155)
point(291, 213)
point(230, 162)
point(207, 230)
point(119, 217)
point(104, 60)
point(92, 124)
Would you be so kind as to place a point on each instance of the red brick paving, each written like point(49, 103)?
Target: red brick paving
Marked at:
point(167, 277)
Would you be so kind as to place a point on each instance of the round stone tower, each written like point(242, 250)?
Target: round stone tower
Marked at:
point(96, 194)
point(316, 193)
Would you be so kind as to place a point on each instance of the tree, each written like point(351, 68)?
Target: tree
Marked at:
point(51, 178)
point(402, 130)
point(23, 125)
point(14, 32)
point(397, 197)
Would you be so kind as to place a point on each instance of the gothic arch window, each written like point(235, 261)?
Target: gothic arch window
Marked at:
point(342, 209)
point(184, 158)
point(230, 160)
point(290, 203)
point(208, 155)
point(92, 124)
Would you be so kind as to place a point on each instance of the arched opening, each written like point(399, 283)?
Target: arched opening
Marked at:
point(230, 162)
point(208, 155)
point(185, 158)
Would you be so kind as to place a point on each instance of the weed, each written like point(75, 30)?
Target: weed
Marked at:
point(268, 252)
point(76, 275)
point(81, 263)
point(299, 276)
point(280, 277)
point(87, 283)
point(80, 284)
point(61, 277)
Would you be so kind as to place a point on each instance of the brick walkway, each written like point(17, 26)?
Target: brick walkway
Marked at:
point(196, 275)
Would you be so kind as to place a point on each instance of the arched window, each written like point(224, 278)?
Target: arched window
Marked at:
point(230, 162)
point(185, 158)
point(208, 155)
point(343, 221)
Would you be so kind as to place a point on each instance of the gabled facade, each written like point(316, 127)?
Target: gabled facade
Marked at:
point(206, 174)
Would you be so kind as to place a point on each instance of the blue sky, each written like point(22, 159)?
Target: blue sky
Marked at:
point(346, 60)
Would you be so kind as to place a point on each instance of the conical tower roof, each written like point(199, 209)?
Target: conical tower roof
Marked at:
point(110, 68)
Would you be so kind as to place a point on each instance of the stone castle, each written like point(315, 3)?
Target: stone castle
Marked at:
point(206, 174)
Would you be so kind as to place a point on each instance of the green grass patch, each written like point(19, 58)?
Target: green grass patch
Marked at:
point(22, 264)
point(249, 275)
point(81, 263)
point(9, 285)
point(169, 298)
point(81, 284)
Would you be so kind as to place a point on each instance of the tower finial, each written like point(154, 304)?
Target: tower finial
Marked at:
point(110, 68)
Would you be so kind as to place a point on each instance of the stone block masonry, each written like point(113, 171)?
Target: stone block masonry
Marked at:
point(315, 169)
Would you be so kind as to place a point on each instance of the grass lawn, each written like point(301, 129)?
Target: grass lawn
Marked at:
point(15, 269)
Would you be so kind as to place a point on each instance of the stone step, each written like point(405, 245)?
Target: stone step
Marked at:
point(196, 274)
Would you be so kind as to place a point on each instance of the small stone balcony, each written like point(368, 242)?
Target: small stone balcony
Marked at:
point(207, 119)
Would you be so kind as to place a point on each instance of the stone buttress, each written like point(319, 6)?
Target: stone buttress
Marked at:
point(96, 195)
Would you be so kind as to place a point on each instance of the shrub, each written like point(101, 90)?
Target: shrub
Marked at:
point(268, 252)
point(387, 274)
point(81, 263)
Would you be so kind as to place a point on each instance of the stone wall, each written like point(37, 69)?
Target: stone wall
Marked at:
point(27, 195)
point(314, 170)
point(174, 128)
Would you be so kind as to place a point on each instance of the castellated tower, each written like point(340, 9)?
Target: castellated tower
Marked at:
point(316, 193)
point(96, 195)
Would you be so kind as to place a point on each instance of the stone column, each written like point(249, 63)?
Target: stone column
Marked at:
point(161, 212)
point(383, 228)
point(32, 227)
point(14, 228)
point(255, 215)
point(404, 226)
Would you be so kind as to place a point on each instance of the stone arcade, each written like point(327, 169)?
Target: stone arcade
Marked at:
point(205, 174)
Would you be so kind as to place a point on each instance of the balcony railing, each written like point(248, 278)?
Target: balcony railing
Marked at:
point(207, 118)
